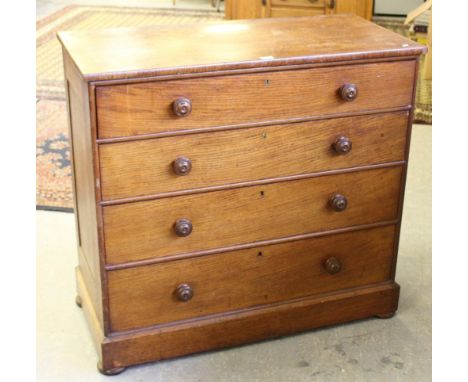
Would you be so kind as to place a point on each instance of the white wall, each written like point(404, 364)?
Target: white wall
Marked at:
point(395, 7)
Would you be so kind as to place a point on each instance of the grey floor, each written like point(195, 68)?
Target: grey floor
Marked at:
point(397, 349)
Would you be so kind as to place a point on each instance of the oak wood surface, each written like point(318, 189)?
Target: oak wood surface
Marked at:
point(214, 129)
point(142, 230)
point(363, 8)
point(89, 309)
point(83, 183)
point(238, 247)
point(249, 325)
point(299, 3)
point(281, 11)
point(139, 52)
point(126, 110)
point(243, 9)
point(405, 172)
point(241, 279)
point(144, 167)
point(248, 9)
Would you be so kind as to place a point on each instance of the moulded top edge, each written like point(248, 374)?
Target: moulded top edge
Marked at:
point(229, 45)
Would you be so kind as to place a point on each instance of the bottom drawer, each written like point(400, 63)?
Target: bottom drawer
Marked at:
point(148, 295)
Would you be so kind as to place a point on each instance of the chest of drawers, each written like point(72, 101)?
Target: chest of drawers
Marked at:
point(235, 182)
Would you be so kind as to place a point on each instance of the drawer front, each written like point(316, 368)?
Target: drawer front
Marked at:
point(134, 109)
point(141, 230)
point(147, 167)
point(299, 3)
point(145, 296)
point(296, 12)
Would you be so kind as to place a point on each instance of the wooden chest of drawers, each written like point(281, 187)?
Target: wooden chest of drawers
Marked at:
point(236, 182)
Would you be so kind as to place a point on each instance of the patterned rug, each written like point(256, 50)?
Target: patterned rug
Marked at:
point(53, 171)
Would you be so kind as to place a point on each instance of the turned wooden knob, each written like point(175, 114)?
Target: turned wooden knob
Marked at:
point(182, 166)
point(332, 265)
point(348, 92)
point(342, 145)
point(338, 202)
point(182, 107)
point(184, 292)
point(183, 227)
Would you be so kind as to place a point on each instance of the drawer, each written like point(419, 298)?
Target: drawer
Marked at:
point(156, 228)
point(299, 3)
point(150, 295)
point(147, 108)
point(295, 11)
point(147, 167)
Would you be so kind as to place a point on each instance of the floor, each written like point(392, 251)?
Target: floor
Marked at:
point(46, 7)
point(397, 349)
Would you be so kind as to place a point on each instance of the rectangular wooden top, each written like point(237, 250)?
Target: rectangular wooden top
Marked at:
point(163, 50)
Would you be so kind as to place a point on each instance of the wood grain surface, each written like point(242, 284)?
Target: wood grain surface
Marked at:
point(249, 325)
point(144, 108)
point(282, 11)
point(363, 8)
point(88, 306)
point(142, 230)
point(241, 279)
point(142, 52)
point(243, 9)
point(299, 3)
point(143, 167)
point(83, 184)
point(246, 9)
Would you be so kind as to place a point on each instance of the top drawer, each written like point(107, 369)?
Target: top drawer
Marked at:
point(148, 108)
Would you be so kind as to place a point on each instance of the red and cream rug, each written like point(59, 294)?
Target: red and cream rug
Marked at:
point(53, 171)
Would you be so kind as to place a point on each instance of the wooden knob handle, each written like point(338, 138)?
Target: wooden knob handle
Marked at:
point(332, 265)
point(338, 202)
point(183, 227)
point(184, 292)
point(182, 166)
point(348, 92)
point(182, 107)
point(342, 145)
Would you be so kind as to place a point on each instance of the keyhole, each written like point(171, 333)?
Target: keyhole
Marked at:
point(262, 193)
point(267, 82)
